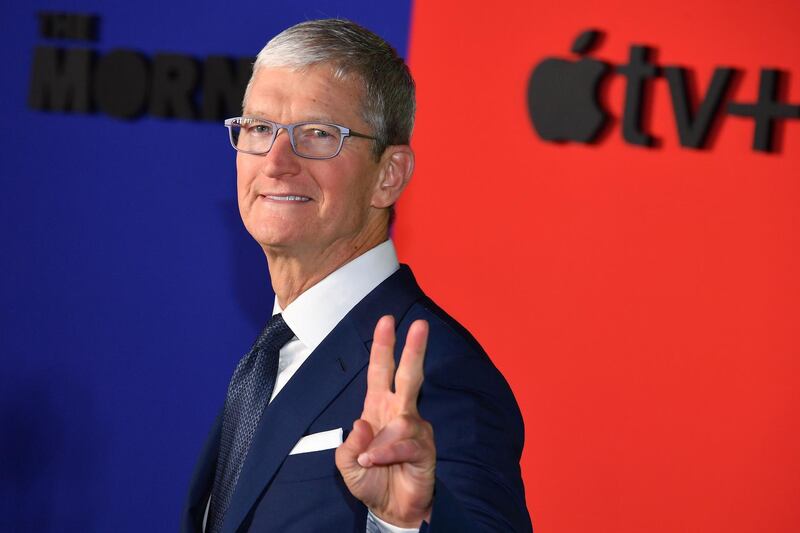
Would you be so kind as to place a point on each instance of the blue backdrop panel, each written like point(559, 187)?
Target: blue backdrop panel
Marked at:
point(129, 288)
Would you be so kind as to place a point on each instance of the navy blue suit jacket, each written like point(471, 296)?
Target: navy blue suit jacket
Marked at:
point(476, 422)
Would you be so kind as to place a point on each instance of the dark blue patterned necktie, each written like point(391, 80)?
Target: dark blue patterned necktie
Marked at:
point(248, 395)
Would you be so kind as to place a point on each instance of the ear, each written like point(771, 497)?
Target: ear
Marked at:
point(396, 167)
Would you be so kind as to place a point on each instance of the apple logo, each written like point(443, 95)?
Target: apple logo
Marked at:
point(562, 94)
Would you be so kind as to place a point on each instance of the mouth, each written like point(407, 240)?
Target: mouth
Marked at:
point(286, 198)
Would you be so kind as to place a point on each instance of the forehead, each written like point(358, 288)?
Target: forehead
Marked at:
point(287, 94)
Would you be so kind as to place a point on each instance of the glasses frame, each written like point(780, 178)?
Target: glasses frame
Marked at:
point(277, 126)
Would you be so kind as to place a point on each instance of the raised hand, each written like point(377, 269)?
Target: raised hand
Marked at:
point(389, 458)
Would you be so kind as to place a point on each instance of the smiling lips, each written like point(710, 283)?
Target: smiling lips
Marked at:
point(287, 198)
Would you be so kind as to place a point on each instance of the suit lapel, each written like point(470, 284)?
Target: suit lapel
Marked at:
point(317, 382)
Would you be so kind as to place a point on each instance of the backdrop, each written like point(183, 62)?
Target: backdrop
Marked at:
point(606, 196)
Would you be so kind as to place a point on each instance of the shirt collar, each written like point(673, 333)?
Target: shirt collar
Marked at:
point(314, 314)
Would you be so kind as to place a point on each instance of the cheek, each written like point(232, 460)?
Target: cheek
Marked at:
point(244, 200)
point(347, 188)
point(245, 173)
point(342, 201)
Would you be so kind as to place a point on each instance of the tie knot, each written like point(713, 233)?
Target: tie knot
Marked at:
point(276, 333)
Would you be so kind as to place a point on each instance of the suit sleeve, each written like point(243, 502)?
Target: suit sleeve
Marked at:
point(479, 435)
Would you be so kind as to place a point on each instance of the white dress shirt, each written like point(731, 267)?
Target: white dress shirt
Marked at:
point(317, 311)
point(314, 314)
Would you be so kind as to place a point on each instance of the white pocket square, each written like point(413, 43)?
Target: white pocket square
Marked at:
point(324, 440)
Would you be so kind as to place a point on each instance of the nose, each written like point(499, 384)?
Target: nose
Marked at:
point(281, 159)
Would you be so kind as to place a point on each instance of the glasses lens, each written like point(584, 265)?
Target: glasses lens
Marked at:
point(317, 140)
point(251, 135)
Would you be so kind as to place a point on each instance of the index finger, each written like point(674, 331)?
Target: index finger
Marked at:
point(381, 358)
point(409, 377)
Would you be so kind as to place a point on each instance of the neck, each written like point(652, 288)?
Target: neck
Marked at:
point(295, 271)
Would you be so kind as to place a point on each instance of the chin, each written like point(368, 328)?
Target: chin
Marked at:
point(267, 237)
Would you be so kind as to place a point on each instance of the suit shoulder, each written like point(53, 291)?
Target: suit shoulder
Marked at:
point(446, 333)
point(453, 355)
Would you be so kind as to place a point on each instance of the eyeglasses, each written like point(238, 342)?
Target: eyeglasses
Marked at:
point(312, 140)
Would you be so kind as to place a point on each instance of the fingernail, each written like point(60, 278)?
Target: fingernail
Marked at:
point(363, 460)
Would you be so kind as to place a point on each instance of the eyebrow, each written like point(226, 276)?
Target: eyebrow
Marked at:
point(313, 118)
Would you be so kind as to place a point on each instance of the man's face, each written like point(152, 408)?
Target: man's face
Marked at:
point(302, 206)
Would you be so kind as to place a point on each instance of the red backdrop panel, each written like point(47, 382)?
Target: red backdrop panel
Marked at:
point(643, 302)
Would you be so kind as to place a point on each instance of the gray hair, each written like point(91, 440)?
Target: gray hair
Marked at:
point(350, 49)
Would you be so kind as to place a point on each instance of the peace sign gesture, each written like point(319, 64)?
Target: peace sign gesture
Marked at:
point(388, 460)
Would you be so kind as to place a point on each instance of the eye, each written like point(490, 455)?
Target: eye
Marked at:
point(317, 133)
point(260, 129)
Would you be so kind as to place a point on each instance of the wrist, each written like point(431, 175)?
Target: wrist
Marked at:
point(411, 521)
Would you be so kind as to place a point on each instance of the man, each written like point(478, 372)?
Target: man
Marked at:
point(323, 155)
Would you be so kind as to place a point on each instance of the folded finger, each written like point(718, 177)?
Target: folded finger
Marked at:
point(401, 428)
point(355, 444)
point(402, 451)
